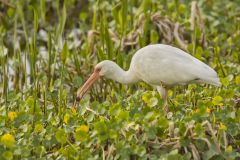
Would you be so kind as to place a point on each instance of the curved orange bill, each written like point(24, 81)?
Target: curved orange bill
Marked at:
point(80, 93)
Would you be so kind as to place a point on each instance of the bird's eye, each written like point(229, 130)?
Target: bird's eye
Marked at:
point(97, 69)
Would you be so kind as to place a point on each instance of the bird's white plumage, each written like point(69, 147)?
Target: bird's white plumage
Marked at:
point(165, 64)
point(158, 65)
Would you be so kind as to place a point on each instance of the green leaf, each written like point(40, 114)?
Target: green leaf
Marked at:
point(184, 141)
point(62, 21)
point(149, 115)
point(35, 20)
point(8, 155)
point(61, 136)
point(64, 53)
point(210, 153)
point(199, 129)
point(217, 100)
point(83, 16)
point(163, 122)
point(114, 110)
point(153, 102)
point(77, 81)
point(30, 102)
point(140, 150)
point(43, 9)
point(199, 52)
point(237, 80)
point(182, 8)
point(81, 136)
point(173, 155)
point(123, 115)
point(154, 36)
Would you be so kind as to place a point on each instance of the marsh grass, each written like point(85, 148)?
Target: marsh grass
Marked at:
point(116, 121)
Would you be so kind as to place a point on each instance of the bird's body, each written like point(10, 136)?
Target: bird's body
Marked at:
point(158, 65)
point(165, 64)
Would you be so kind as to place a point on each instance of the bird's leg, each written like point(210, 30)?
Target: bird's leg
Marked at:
point(164, 94)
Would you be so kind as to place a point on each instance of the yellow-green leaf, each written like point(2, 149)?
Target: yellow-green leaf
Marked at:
point(217, 100)
point(61, 136)
point(64, 53)
point(8, 155)
point(237, 80)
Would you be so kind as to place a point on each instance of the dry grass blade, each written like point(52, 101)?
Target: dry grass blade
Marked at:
point(177, 37)
point(7, 3)
point(195, 153)
point(196, 19)
point(110, 151)
point(210, 128)
point(196, 15)
point(114, 36)
point(171, 129)
point(91, 37)
point(168, 29)
point(165, 26)
point(225, 140)
point(132, 38)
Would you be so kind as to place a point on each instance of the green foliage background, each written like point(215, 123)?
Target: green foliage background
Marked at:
point(49, 47)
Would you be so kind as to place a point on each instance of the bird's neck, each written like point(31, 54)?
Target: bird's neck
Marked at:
point(125, 77)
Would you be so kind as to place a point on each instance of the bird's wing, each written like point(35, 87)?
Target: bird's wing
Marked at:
point(171, 66)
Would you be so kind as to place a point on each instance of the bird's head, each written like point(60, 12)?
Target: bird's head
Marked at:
point(104, 68)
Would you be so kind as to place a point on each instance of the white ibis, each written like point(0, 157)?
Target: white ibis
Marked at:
point(159, 65)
